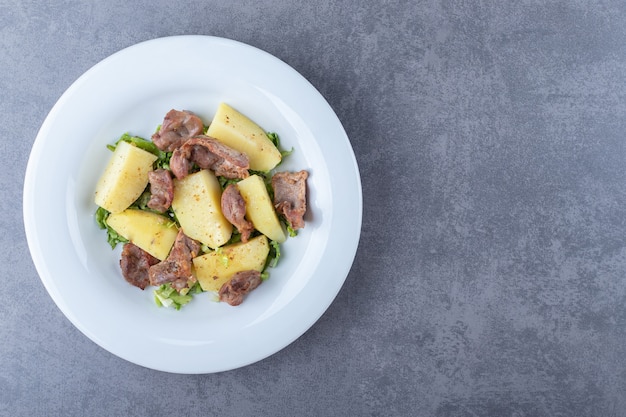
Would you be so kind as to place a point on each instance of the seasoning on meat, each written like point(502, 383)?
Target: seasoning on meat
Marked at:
point(161, 190)
point(234, 209)
point(177, 267)
point(177, 127)
point(239, 285)
point(290, 196)
point(135, 263)
point(208, 153)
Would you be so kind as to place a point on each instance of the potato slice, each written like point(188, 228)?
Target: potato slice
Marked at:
point(150, 231)
point(124, 178)
point(237, 131)
point(259, 208)
point(215, 268)
point(198, 209)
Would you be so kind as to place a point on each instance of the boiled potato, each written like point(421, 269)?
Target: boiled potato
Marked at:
point(198, 209)
point(215, 268)
point(150, 231)
point(124, 178)
point(259, 208)
point(237, 131)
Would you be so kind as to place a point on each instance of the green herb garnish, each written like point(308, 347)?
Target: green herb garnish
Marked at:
point(112, 236)
point(166, 296)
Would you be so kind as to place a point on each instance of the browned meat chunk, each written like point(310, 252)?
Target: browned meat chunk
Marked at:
point(135, 263)
point(177, 127)
point(234, 209)
point(239, 285)
point(290, 196)
point(161, 190)
point(177, 267)
point(209, 153)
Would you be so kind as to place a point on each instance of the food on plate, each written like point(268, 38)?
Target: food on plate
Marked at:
point(215, 268)
point(176, 268)
point(125, 177)
point(177, 127)
point(209, 153)
point(239, 132)
point(239, 285)
point(290, 196)
point(234, 209)
point(135, 264)
point(199, 208)
point(152, 232)
point(259, 208)
point(196, 205)
point(161, 190)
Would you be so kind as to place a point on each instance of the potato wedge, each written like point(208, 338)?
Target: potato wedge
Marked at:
point(215, 268)
point(259, 208)
point(239, 132)
point(124, 178)
point(198, 209)
point(150, 231)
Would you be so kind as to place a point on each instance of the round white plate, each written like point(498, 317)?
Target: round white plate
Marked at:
point(131, 91)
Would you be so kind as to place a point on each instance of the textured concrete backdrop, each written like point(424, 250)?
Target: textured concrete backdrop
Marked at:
point(491, 275)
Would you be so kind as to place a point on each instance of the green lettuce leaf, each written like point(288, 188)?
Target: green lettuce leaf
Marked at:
point(166, 296)
point(112, 236)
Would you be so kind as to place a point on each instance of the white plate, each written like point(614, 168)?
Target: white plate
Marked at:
point(131, 91)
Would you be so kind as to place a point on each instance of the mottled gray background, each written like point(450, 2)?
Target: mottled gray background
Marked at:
point(490, 278)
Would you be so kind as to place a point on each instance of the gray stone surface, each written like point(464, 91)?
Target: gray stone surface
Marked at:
point(490, 279)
